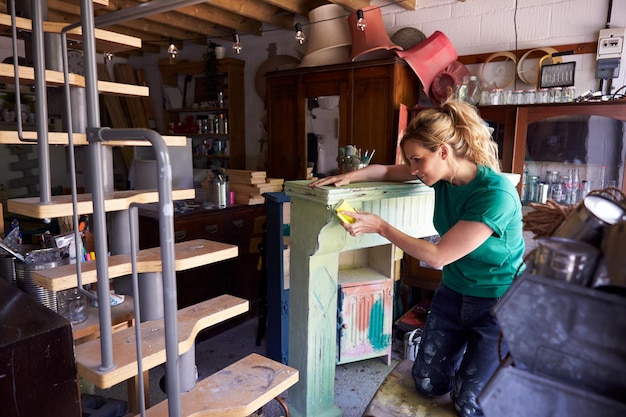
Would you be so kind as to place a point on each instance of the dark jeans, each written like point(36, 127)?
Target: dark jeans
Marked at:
point(459, 349)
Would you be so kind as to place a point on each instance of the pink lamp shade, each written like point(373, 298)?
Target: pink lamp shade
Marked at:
point(329, 37)
point(430, 57)
point(373, 42)
point(444, 83)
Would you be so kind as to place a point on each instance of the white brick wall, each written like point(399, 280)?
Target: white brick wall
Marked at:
point(485, 26)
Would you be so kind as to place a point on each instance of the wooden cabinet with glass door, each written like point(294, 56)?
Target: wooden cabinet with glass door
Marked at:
point(557, 138)
point(554, 138)
point(208, 109)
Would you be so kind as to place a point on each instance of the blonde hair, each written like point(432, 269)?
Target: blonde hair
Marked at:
point(458, 125)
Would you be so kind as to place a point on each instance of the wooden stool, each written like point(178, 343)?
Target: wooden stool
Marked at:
point(397, 397)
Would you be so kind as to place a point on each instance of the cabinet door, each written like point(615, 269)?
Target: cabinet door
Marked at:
point(286, 152)
point(370, 117)
point(244, 229)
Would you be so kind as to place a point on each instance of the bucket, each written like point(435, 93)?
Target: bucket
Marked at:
point(612, 276)
point(24, 280)
point(7, 268)
point(565, 260)
point(587, 222)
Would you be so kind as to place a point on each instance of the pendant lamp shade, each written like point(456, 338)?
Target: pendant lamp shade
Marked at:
point(430, 57)
point(329, 38)
point(373, 42)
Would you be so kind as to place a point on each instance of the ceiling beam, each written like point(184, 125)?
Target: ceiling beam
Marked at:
point(169, 19)
point(257, 10)
point(301, 7)
point(351, 4)
point(223, 18)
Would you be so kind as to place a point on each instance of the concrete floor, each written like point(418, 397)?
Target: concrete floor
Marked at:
point(355, 383)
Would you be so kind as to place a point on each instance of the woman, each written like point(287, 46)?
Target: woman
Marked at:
point(478, 216)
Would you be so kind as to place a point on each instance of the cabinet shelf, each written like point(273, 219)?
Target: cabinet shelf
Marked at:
point(184, 120)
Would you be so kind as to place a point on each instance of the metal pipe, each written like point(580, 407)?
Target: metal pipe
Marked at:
point(134, 232)
point(41, 103)
point(166, 232)
point(96, 164)
point(142, 10)
point(16, 76)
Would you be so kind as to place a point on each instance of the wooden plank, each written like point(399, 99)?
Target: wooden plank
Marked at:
point(578, 48)
point(245, 173)
point(396, 397)
point(188, 255)
point(10, 137)
point(56, 78)
point(146, 101)
point(125, 73)
point(61, 205)
point(106, 41)
point(191, 320)
point(236, 391)
point(112, 104)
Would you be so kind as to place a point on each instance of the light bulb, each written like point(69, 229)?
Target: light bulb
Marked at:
point(237, 47)
point(299, 34)
point(360, 23)
point(172, 50)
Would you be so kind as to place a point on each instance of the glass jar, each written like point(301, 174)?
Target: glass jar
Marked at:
point(533, 188)
point(518, 97)
point(530, 96)
point(507, 97)
point(495, 96)
point(569, 94)
point(543, 96)
point(556, 95)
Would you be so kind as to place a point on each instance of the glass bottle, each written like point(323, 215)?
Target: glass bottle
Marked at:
point(573, 182)
point(602, 177)
point(525, 183)
point(473, 90)
point(461, 91)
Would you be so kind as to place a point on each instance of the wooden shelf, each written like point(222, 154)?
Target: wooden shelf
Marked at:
point(188, 255)
point(191, 321)
point(61, 205)
point(56, 78)
point(9, 137)
point(106, 41)
point(236, 391)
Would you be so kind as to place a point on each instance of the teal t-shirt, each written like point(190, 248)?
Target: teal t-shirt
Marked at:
point(490, 198)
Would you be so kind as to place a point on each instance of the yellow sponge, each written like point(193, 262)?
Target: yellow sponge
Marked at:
point(344, 206)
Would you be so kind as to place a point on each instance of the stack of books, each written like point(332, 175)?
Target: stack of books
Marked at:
point(249, 186)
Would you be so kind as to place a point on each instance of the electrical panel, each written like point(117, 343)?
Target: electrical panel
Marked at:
point(610, 53)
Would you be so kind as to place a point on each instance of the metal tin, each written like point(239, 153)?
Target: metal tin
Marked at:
point(542, 192)
point(586, 223)
point(565, 260)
